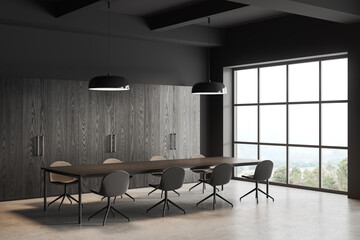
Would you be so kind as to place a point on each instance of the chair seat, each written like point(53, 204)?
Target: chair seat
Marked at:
point(248, 176)
point(200, 170)
point(70, 181)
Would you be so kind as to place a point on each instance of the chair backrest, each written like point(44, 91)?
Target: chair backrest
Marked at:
point(111, 160)
point(157, 158)
point(172, 179)
point(197, 156)
point(114, 184)
point(263, 170)
point(221, 174)
point(58, 177)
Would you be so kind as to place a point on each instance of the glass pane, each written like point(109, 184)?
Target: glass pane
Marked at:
point(248, 151)
point(246, 82)
point(304, 166)
point(277, 154)
point(334, 124)
point(334, 79)
point(246, 124)
point(273, 124)
point(334, 171)
point(304, 124)
point(273, 84)
point(304, 82)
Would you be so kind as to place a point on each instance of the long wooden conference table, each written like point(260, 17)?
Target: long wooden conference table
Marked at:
point(93, 170)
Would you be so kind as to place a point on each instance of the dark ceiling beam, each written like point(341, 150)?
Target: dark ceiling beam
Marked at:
point(63, 7)
point(340, 11)
point(190, 14)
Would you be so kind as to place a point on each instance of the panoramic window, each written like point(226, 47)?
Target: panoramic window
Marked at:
point(294, 114)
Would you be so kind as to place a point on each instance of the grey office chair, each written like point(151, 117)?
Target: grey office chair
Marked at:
point(112, 185)
point(158, 173)
point(203, 170)
point(62, 180)
point(171, 179)
point(221, 175)
point(263, 172)
point(112, 161)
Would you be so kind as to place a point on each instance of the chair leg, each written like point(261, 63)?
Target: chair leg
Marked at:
point(165, 203)
point(205, 199)
point(169, 201)
point(176, 192)
point(107, 212)
point(62, 200)
point(56, 199)
point(267, 195)
point(115, 199)
point(224, 200)
point(247, 194)
point(130, 197)
point(256, 194)
point(104, 208)
point(152, 191)
point(214, 200)
point(155, 205)
point(67, 195)
point(120, 213)
point(195, 186)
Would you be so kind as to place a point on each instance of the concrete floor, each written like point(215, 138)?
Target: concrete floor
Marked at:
point(295, 214)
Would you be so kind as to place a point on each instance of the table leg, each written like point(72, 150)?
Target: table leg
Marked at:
point(80, 202)
point(45, 190)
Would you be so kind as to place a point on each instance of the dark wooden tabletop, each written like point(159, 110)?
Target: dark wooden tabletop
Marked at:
point(147, 166)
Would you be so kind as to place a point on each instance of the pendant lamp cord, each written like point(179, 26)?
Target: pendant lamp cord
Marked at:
point(208, 52)
point(108, 36)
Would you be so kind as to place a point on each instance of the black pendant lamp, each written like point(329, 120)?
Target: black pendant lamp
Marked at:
point(108, 82)
point(209, 88)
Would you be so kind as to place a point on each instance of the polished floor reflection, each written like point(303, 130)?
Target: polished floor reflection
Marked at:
point(295, 214)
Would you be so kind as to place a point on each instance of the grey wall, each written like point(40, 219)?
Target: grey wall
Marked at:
point(285, 38)
point(35, 52)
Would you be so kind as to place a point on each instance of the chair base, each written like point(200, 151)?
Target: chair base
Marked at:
point(256, 189)
point(214, 195)
point(65, 194)
point(157, 187)
point(108, 208)
point(121, 198)
point(166, 202)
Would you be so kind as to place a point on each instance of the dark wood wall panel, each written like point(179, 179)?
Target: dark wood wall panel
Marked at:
point(186, 133)
point(11, 143)
point(31, 109)
point(136, 131)
point(166, 120)
point(152, 125)
point(3, 137)
point(61, 133)
point(76, 124)
point(122, 122)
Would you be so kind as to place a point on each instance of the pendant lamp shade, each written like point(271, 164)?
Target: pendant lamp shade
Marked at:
point(108, 83)
point(209, 88)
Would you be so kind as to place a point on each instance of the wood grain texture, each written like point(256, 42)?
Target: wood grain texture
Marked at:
point(31, 117)
point(186, 132)
point(61, 130)
point(152, 126)
point(166, 120)
point(76, 122)
point(3, 138)
point(12, 144)
point(136, 131)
